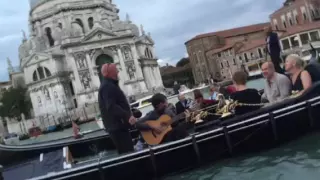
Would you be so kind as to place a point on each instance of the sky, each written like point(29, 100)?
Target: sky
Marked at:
point(170, 22)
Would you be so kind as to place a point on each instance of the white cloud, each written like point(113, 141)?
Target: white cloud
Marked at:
point(11, 37)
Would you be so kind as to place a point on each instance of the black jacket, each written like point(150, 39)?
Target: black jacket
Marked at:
point(114, 107)
point(314, 71)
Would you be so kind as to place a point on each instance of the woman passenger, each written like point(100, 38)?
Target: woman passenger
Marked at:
point(243, 94)
point(300, 79)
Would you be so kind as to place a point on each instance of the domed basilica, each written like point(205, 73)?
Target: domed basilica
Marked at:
point(69, 41)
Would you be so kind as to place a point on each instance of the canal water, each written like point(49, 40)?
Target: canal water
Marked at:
point(297, 160)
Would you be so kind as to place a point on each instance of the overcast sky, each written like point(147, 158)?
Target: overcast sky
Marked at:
point(170, 22)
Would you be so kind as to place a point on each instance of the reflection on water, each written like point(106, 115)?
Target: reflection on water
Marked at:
point(295, 161)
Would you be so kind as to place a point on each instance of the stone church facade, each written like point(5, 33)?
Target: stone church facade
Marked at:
point(68, 43)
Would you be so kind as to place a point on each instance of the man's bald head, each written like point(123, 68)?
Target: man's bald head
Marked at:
point(268, 70)
point(109, 71)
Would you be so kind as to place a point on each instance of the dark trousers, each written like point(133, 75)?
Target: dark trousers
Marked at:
point(276, 60)
point(122, 140)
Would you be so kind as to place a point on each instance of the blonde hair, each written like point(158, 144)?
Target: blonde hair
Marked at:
point(299, 63)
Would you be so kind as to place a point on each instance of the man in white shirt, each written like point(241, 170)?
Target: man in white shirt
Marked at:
point(277, 86)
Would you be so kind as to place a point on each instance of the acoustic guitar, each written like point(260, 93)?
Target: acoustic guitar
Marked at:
point(154, 138)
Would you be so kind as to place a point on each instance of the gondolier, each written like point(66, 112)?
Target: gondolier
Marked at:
point(274, 49)
point(115, 109)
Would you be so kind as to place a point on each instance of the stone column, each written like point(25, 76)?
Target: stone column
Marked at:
point(123, 66)
point(77, 84)
point(146, 76)
point(159, 78)
point(94, 79)
point(136, 62)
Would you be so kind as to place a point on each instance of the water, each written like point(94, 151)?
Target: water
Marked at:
point(294, 161)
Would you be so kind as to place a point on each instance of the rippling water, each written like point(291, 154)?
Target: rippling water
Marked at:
point(298, 160)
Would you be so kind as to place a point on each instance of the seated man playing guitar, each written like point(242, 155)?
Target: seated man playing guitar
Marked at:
point(156, 126)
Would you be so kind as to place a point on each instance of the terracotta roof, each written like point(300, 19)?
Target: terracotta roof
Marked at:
point(301, 28)
point(235, 31)
point(247, 46)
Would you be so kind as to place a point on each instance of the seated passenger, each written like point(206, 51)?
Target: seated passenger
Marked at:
point(277, 86)
point(183, 104)
point(203, 103)
point(213, 93)
point(243, 94)
point(300, 79)
point(161, 107)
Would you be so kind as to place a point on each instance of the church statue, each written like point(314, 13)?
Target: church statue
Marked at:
point(47, 94)
point(142, 30)
point(10, 67)
point(127, 54)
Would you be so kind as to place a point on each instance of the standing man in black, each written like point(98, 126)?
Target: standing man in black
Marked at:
point(115, 110)
point(274, 49)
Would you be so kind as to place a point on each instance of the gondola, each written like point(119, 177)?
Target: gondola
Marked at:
point(260, 130)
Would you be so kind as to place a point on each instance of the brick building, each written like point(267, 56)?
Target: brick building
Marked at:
point(219, 54)
point(300, 21)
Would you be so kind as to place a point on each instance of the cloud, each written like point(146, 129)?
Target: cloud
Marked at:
point(11, 37)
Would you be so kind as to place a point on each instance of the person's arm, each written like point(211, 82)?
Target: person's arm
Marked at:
point(112, 108)
point(284, 88)
point(306, 80)
point(141, 125)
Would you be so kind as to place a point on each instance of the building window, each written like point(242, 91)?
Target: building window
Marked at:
point(90, 22)
point(148, 53)
point(228, 65)
point(314, 36)
point(35, 76)
point(304, 38)
point(283, 20)
point(49, 36)
point(294, 43)
point(284, 24)
point(221, 65)
point(304, 13)
point(78, 21)
point(295, 16)
point(219, 55)
point(285, 44)
point(260, 53)
point(246, 57)
point(41, 73)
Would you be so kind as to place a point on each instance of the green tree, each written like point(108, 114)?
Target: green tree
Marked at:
point(14, 102)
point(183, 62)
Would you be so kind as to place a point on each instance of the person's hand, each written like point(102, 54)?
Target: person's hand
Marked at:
point(132, 120)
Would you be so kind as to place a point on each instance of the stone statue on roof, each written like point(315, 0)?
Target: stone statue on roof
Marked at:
point(10, 68)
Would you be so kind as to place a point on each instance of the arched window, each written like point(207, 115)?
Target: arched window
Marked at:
point(148, 53)
point(78, 21)
point(41, 73)
point(90, 22)
point(49, 36)
point(48, 73)
point(35, 76)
